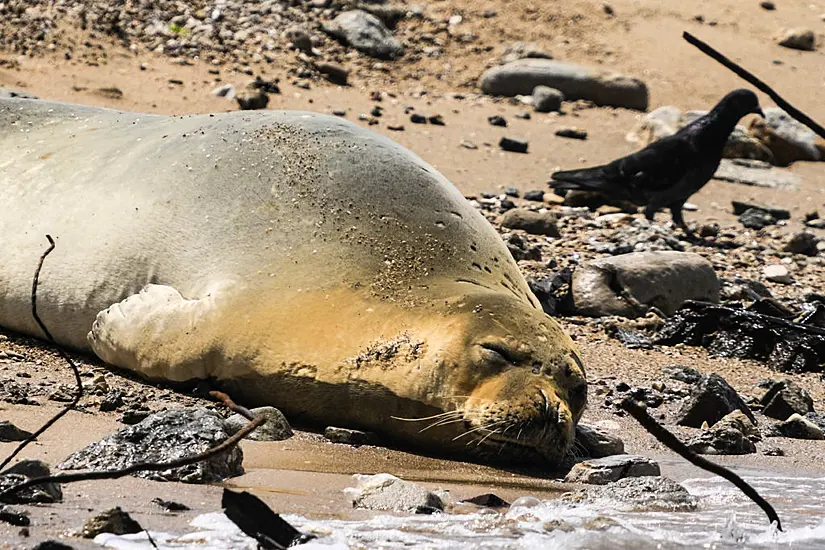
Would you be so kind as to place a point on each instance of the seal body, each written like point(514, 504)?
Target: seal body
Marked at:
point(297, 259)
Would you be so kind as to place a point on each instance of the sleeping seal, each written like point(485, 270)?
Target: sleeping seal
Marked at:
point(297, 260)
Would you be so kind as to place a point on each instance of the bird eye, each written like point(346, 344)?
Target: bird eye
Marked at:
point(501, 352)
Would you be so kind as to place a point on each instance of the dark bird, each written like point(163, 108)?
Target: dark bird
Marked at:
point(668, 171)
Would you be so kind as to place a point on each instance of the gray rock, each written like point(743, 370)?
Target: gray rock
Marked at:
point(161, 437)
point(23, 471)
point(601, 471)
point(688, 375)
point(535, 223)
point(756, 174)
point(628, 284)
point(785, 398)
point(572, 133)
point(536, 195)
point(252, 102)
point(10, 432)
point(788, 139)
point(366, 33)
point(333, 72)
point(777, 273)
point(797, 39)
point(756, 218)
point(276, 427)
point(523, 50)
point(300, 39)
point(802, 243)
point(721, 441)
point(114, 521)
point(650, 493)
point(574, 81)
point(547, 99)
point(798, 427)
point(710, 401)
point(349, 437)
point(740, 207)
point(598, 443)
point(387, 492)
point(497, 120)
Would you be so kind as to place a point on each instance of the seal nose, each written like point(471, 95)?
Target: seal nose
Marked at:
point(550, 413)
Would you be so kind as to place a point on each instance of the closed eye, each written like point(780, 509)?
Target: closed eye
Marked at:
point(504, 352)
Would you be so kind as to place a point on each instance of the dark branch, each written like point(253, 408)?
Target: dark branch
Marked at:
point(761, 86)
point(639, 412)
point(79, 394)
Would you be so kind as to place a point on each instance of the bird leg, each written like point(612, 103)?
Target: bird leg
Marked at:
point(650, 211)
point(676, 214)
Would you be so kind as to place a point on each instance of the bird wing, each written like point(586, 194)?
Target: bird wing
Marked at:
point(656, 168)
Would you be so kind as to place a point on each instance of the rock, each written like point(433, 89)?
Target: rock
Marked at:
point(395, 127)
point(688, 375)
point(737, 420)
point(52, 545)
point(759, 174)
point(387, 492)
point(161, 437)
point(710, 401)
point(574, 81)
point(13, 516)
point(497, 120)
point(468, 145)
point(601, 471)
point(784, 398)
point(768, 6)
point(170, 505)
point(366, 33)
point(756, 218)
point(19, 94)
point(788, 139)
point(349, 437)
point(799, 427)
point(513, 145)
point(628, 284)
point(547, 99)
point(436, 120)
point(572, 133)
point(333, 72)
point(416, 118)
point(523, 50)
point(111, 401)
point(227, 91)
point(797, 39)
point(777, 273)
point(649, 493)
point(773, 451)
point(721, 441)
point(10, 432)
point(802, 243)
point(252, 102)
point(300, 39)
point(536, 195)
point(488, 500)
point(598, 443)
point(740, 207)
point(114, 521)
point(23, 471)
point(276, 427)
point(524, 115)
point(535, 223)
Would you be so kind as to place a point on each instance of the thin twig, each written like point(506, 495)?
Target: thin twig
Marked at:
point(761, 86)
point(254, 422)
point(639, 412)
point(79, 395)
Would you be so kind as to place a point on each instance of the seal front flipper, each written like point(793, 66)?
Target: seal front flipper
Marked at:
point(156, 333)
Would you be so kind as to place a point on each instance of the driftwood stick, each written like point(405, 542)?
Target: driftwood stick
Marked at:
point(75, 370)
point(752, 79)
point(639, 412)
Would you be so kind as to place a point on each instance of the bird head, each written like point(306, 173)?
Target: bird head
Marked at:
point(742, 102)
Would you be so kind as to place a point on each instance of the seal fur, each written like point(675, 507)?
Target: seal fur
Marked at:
point(295, 258)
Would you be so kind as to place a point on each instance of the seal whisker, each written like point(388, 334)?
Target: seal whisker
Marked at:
point(478, 428)
point(485, 437)
point(423, 417)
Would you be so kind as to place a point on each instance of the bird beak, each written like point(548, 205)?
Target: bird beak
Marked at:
point(759, 112)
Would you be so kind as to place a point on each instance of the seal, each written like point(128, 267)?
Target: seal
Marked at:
point(295, 259)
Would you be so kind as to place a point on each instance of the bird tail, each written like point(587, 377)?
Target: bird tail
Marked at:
point(586, 179)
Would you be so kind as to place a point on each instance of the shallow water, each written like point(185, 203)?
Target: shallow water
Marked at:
point(725, 519)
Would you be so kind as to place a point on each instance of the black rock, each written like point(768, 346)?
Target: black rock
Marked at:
point(257, 520)
point(802, 243)
point(572, 133)
point(170, 505)
point(334, 73)
point(534, 195)
point(436, 120)
point(785, 398)
point(511, 192)
point(709, 401)
point(23, 471)
point(497, 120)
point(740, 208)
point(112, 401)
point(507, 204)
point(349, 437)
point(688, 375)
point(525, 115)
point(52, 545)
point(513, 145)
point(377, 110)
point(632, 339)
point(14, 517)
point(416, 118)
point(553, 291)
point(488, 499)
point(10, 432)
